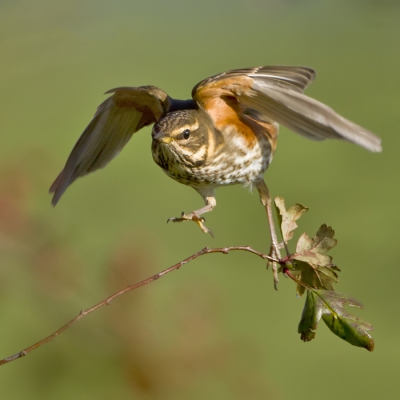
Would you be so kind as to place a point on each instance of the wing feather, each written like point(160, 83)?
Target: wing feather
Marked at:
point(115, 121)
point(277, 94)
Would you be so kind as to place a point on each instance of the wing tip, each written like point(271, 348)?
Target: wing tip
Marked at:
point(57, 193)
point(366, 139)
point(54, 201)
point(371, 142)
point(55, 197)
point(57, 189)
point(374, 147)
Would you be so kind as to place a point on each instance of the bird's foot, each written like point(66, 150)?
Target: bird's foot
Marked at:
point(192, 217)
point(275, 253)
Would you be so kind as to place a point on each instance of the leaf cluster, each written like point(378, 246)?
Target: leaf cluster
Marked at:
point(314, 272)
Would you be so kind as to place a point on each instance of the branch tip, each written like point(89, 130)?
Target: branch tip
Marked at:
point(107, 301)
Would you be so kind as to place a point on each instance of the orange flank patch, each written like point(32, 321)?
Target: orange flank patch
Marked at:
point(224, 113)
point(265, 128)
point(219, 97)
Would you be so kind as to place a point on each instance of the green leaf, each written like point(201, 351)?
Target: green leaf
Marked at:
point(330, 306)
point(310, 317)
point(287, 218)
point(314, 276)
point(348, 327)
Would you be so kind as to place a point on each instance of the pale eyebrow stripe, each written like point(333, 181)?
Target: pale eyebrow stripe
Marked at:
point(191, 127)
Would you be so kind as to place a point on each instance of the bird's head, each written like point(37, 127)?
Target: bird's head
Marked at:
point(181, 136)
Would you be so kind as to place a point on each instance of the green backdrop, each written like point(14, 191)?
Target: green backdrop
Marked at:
point(216, 329)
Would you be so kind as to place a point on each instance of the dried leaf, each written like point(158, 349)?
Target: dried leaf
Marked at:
point(288, 218)
point(312, 250)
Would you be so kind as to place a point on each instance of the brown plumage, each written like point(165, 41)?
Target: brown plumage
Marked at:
point(225, 135)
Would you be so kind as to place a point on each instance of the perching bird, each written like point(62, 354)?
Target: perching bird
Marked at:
point(226, 134)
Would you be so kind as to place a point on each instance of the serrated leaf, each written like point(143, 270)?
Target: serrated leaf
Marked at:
point(314, 276)
point(312, 250)
point(348, 327)
point(287, 218)
point(330, 306)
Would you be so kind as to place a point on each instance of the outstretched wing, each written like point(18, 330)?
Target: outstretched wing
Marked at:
point(117, 118)
point(277, 94)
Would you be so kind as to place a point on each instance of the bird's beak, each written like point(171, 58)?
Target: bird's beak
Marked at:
point(160, 137)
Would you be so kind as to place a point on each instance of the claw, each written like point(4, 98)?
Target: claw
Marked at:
point(274, 252)
point(200, 223)
point(192, 217)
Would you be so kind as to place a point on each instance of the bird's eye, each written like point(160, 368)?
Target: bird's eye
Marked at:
point(186, 134)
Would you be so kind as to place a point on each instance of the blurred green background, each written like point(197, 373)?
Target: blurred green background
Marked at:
point(216, 329)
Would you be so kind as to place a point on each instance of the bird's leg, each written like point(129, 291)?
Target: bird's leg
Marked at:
point(267, 203)
point(195, 216)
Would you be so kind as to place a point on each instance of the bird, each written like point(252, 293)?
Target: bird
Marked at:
point(225, 134)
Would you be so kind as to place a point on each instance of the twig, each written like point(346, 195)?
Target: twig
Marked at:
point(108, 300)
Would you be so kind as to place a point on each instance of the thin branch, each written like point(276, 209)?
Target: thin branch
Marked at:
point(108, 300)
